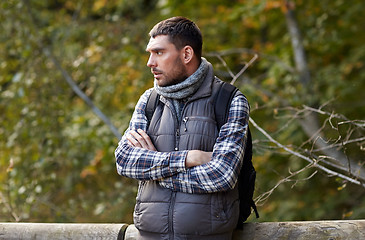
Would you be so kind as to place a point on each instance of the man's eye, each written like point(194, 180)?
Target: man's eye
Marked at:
point(159, 53)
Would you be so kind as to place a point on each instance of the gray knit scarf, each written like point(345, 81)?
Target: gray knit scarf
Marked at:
point(185, 88)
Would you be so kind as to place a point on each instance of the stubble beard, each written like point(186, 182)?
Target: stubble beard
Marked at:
point(178, 75)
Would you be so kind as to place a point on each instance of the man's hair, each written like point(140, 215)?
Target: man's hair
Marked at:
point(181, 32)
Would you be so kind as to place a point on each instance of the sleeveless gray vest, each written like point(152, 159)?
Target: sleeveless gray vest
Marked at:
point(161, 213)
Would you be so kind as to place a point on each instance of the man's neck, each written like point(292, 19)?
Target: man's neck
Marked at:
point(193, 66)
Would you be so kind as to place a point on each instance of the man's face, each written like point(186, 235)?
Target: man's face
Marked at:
point(165, 61)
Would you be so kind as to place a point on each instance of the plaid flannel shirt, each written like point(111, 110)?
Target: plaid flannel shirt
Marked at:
point(168, 168)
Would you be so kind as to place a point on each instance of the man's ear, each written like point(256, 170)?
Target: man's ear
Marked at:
point(187, 54)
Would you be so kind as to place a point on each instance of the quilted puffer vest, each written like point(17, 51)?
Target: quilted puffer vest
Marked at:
point(161, 213)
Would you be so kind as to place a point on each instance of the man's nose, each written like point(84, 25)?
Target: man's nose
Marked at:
point(151, 62)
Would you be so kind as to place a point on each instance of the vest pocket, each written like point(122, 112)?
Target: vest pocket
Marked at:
point(152, 217)
point(198, 132)
point(225, 216)
point(151, 213)
point(190, 124)
point(192, 218)
point(204, 214)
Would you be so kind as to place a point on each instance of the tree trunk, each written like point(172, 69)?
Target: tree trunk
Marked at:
point(310, 122)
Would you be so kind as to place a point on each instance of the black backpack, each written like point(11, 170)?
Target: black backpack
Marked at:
point(247, 177)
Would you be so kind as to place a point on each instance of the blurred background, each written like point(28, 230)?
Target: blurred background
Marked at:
point(71, 72)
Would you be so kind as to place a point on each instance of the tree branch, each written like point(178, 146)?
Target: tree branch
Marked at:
point(299, 155)
point(81, 94)
point(48, 53)
point(264, 196)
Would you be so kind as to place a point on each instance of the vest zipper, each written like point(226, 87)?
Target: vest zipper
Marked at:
point(171, 215)
point(185, 121)
point(177, 139)
point(177, 124)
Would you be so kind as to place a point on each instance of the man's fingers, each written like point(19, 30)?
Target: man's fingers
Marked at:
point(132, 140)
point(137, 139)
point(140, 139)
point(147, 140)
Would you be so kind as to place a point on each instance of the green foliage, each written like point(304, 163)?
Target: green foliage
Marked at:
point(56, 156)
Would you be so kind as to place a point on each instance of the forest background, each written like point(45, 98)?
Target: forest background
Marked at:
point(72, 71)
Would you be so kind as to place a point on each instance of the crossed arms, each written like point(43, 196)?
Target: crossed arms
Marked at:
point(140, 139)
point(192, 171)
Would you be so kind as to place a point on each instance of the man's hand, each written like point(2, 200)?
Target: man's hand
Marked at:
point(194, 158)
point(197, 157)
point(140, 139)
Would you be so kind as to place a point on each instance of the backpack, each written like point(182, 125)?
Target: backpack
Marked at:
point(247, 177)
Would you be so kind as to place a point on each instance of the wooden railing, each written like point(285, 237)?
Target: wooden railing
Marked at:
point(312, 230)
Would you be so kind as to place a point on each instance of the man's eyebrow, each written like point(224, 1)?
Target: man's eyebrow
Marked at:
point(154, 49)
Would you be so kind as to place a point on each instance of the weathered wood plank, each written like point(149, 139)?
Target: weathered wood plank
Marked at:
point(309, 230)
point(312, 230)
point(61, 231)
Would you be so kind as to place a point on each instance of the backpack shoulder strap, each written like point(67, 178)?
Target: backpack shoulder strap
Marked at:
point(222, 101)
point(151, 105)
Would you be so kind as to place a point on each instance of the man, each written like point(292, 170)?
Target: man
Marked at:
point(187, 169)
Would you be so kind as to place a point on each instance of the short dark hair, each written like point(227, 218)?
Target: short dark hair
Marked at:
point(181, 32)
